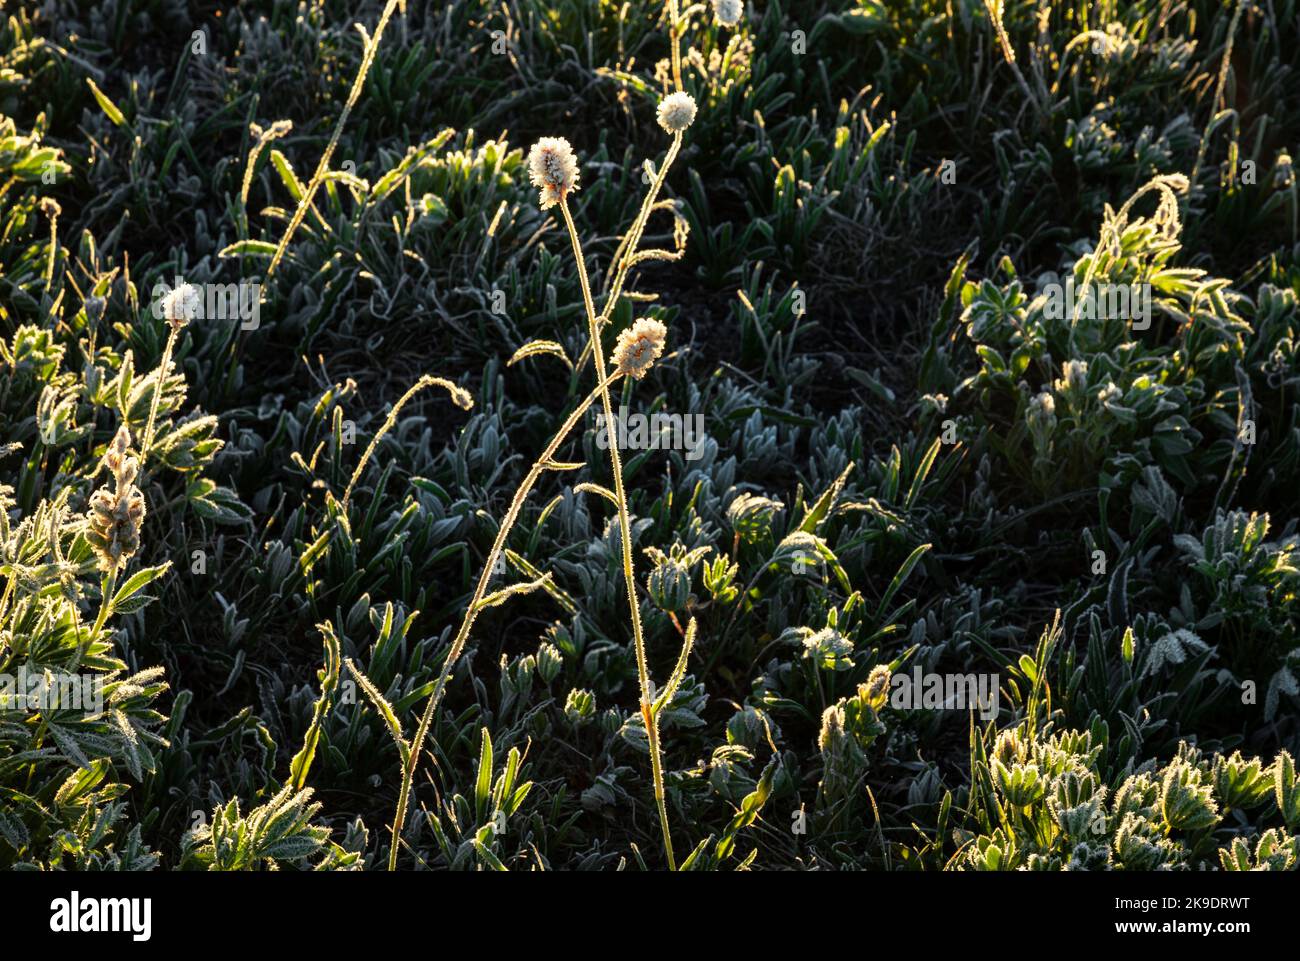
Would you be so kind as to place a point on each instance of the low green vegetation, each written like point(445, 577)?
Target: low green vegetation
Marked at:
point(331, 453)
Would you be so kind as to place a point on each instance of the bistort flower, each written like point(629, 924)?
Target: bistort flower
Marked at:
point(638, 347)
point(676, 112)
point(728, 12)
point(181, 305)
point(553, 169)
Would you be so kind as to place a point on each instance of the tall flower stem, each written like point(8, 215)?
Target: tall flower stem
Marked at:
point(624, 523)
point(622, 262)
point(107, 586)
point(164, 368)
point(322, 168)
point(542, 463)
point(673, 37)
point(1220, 83)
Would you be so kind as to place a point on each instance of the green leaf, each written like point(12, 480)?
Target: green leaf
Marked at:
point(1029, 668)
point(383, 707)
point(819, 511)
point(290, 179)
point(106, 105)
point(483, 788)
point(490, 859)
point(248, 248)
point(922, 472)
point(301, 762)
point(901, 577)
point(136, 582)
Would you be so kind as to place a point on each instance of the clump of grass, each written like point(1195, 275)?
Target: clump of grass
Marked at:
point(371, 44)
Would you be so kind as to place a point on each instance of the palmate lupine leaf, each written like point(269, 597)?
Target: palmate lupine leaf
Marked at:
point(276, 833)
point(1172, 649)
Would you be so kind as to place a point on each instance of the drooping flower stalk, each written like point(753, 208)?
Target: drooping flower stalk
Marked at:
point(459, 396)
point(543, 462)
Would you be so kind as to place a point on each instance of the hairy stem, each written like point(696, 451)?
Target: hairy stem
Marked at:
point(673, 37)
point(164, 367)
point(625, 526)
point(622, 262)
point(107, 586)
point(1218, 96)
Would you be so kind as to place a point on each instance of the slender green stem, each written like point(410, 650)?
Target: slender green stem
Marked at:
point(107, 587)
point(163, 369)
point(106, 595)
point(471, 613)
point(625, 531)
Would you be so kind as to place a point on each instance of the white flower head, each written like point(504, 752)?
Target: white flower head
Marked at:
point(676, 112)
point(553, 169)
point(638, 347)
point(728, 12)
point(181, 304)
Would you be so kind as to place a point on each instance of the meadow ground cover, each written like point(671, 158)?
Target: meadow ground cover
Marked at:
point(578, 434)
